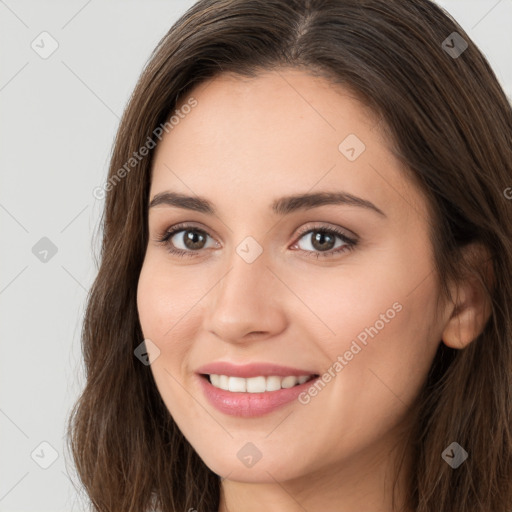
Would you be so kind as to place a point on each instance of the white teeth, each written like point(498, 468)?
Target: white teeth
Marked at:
point(237, 384)
point(273, 383)
point(223, 382)
point(256, 384)
point(289, 382)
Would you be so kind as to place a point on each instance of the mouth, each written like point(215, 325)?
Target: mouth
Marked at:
point(253, 389)
point(254, 395)
point(257, 384)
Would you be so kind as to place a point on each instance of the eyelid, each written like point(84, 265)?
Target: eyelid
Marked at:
point(302, 231)
point(344, 232)
point(181, 226)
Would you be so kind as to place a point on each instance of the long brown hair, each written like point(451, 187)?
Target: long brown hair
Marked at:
point(449, 122)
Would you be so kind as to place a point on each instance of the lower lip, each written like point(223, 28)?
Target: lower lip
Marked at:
point(248, 405)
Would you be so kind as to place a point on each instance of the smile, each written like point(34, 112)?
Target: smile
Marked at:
point(259, 384)
point(254, 389)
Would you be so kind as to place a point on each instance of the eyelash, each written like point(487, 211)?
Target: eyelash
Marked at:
point(164, 239)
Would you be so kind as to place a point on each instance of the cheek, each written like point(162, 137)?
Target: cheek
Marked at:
point(165, 299)
point(159, 303)
point(376, 336)
point(380, 361)
point(164, 306)
point(355, 301)
point(163, 302)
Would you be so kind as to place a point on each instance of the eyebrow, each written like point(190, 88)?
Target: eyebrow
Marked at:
point(282, 206)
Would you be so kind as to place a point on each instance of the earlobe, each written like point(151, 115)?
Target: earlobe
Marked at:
point(471, 308)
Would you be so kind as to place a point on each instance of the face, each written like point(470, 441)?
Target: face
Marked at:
point(340, 292)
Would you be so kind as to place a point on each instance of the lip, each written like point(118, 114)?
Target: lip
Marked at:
point(252, 370)
point(248, 405)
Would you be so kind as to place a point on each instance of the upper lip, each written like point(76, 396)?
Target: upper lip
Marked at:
point(251, 370)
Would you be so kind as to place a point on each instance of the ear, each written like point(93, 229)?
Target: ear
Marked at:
point(471, 308)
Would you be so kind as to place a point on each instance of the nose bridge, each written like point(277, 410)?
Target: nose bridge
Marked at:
point(244, 300)
point(246, 283)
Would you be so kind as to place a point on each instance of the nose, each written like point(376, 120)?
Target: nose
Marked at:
point(247, 303)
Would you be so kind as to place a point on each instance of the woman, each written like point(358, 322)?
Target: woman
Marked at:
point(304, 294)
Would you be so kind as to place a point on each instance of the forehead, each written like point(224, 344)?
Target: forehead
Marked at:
point(301, 89)
point(281, 131)
point(284, 101)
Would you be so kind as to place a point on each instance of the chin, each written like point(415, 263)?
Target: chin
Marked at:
point(265, 470)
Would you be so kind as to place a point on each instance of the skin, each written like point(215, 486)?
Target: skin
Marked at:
point(246, 143)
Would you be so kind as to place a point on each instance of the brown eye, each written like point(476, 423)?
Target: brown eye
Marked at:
point(185, 240)
point(193, 239)
point(324, 242)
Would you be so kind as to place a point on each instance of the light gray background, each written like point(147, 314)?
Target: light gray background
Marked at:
point(58, 117)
